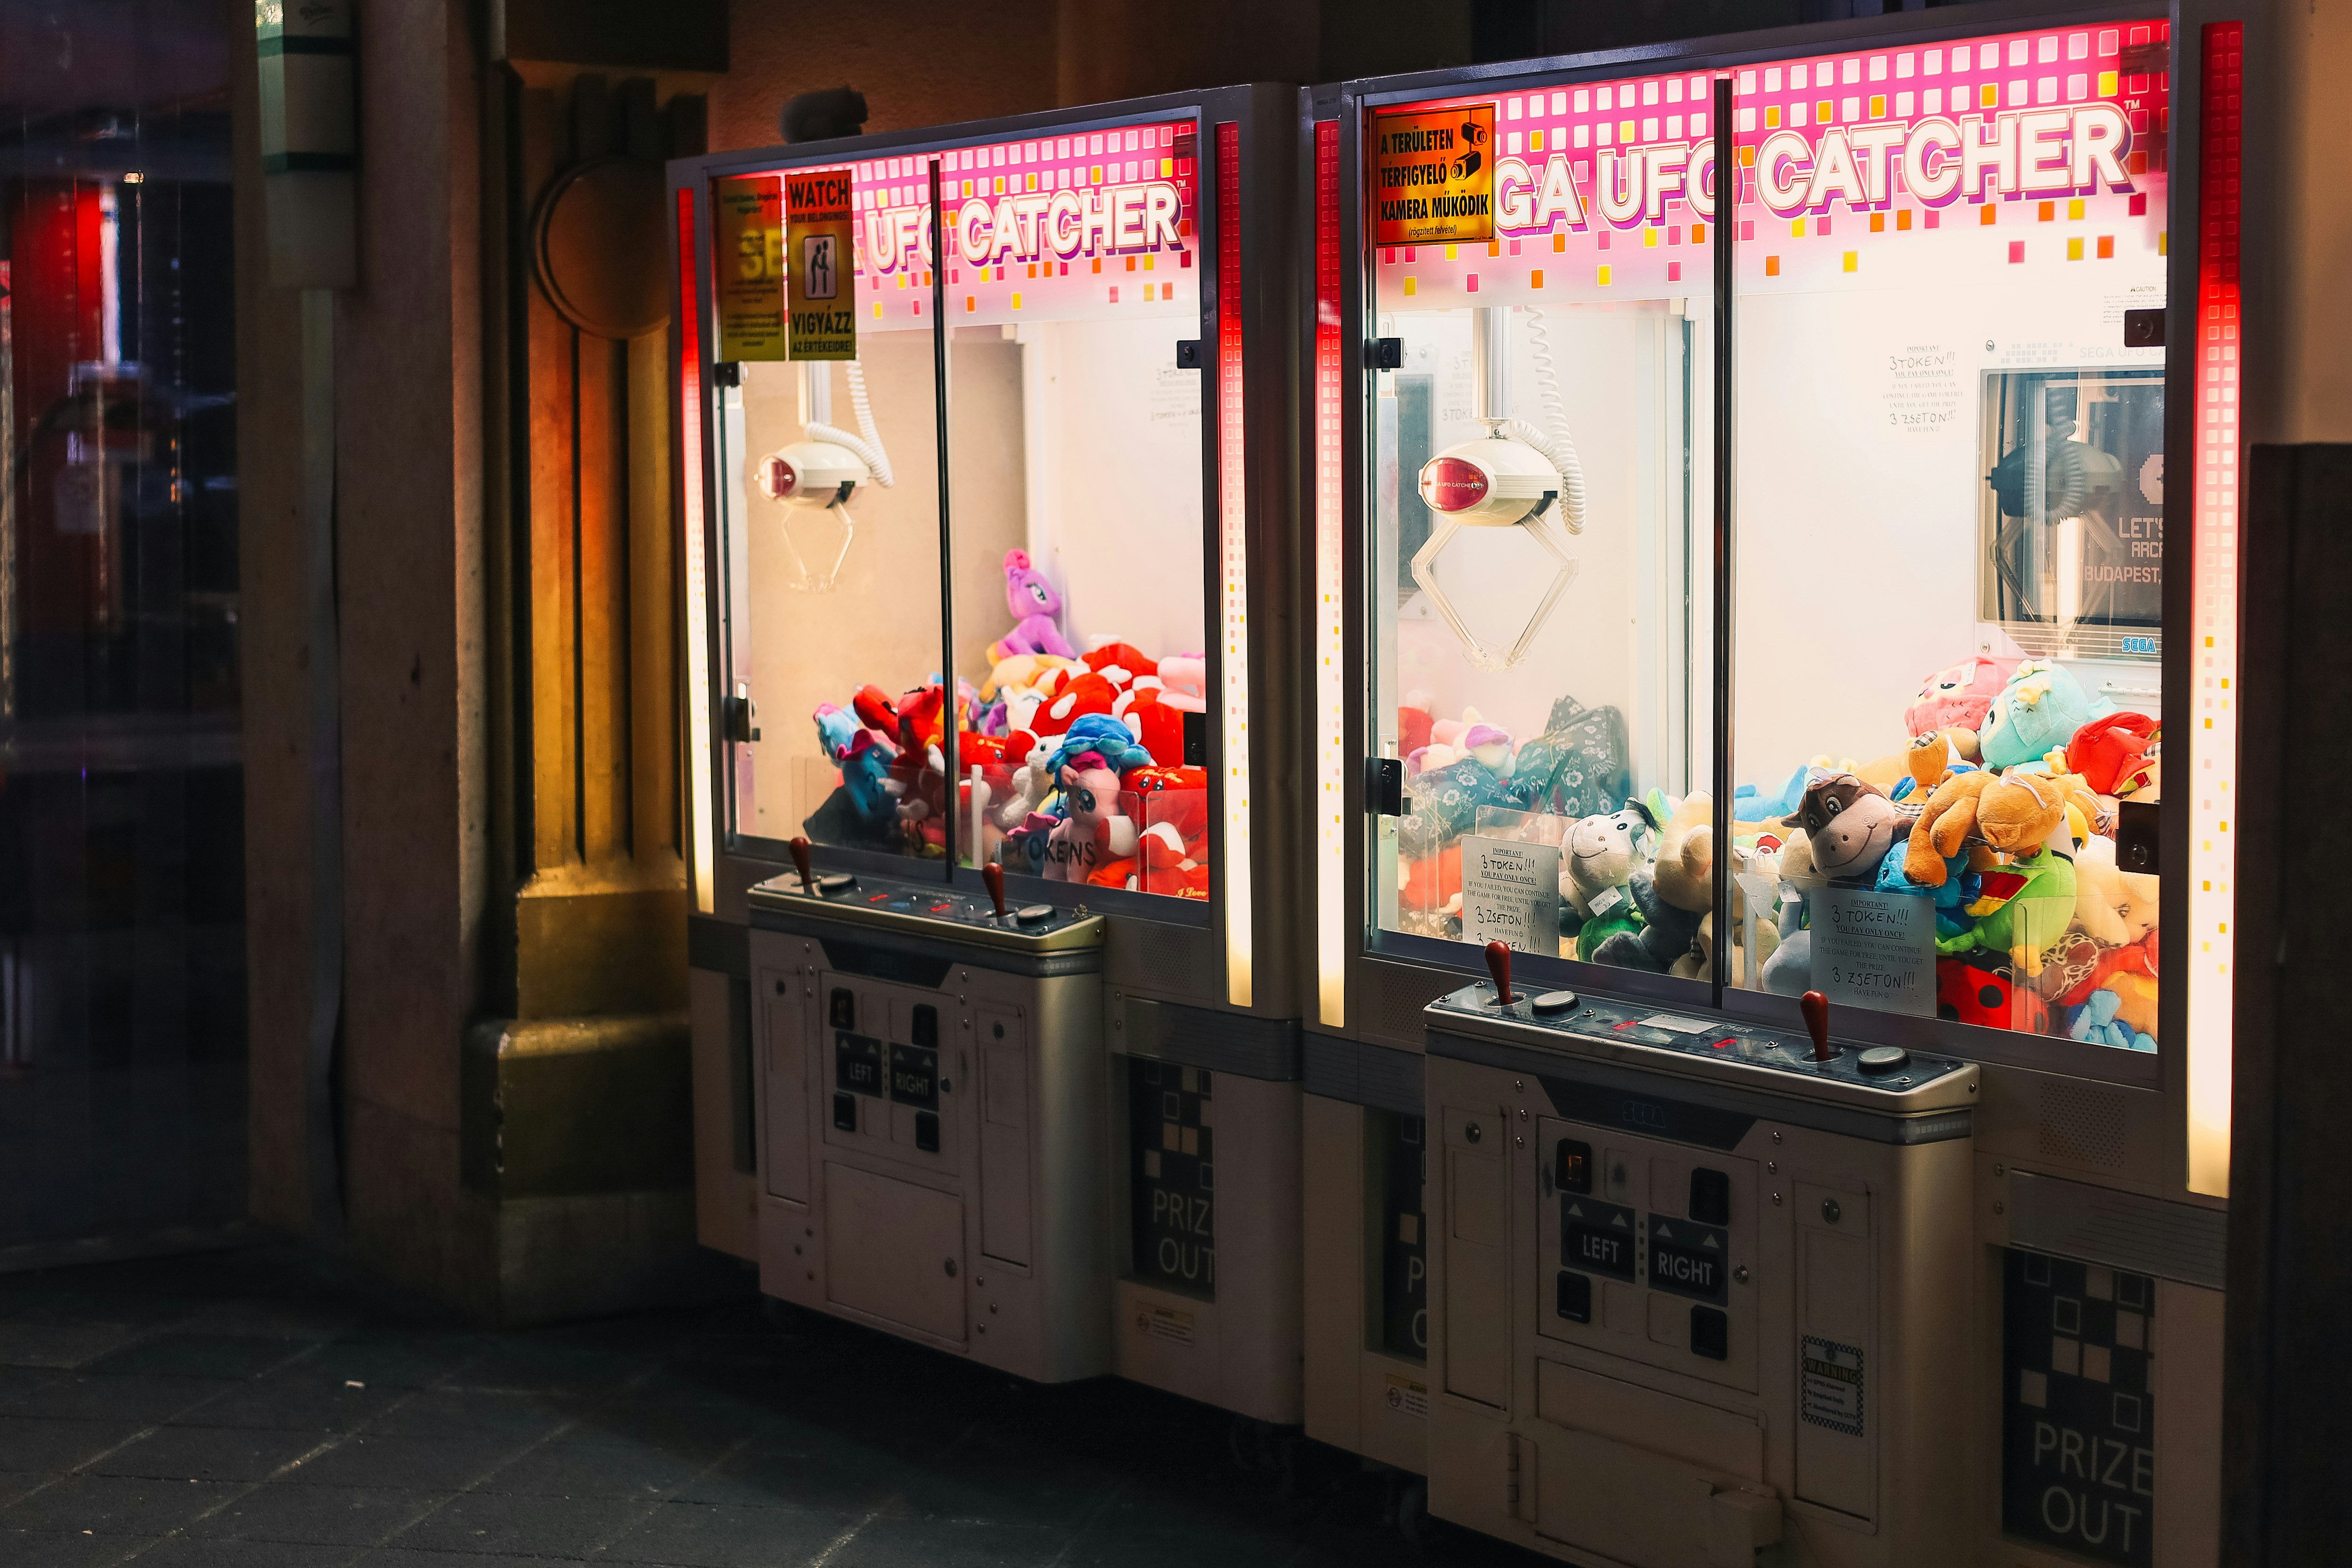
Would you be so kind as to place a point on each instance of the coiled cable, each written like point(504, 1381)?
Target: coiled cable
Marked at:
point(1555, 444)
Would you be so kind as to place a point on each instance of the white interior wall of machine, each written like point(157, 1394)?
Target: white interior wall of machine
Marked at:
point(1862, 474)
point(1620, 634)
point(1113, 433)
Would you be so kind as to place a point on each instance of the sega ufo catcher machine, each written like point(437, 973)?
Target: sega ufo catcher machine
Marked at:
point(983, 453)
point(1926, 1268)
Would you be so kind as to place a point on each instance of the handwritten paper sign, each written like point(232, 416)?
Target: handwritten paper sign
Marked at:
point(1874, 949)
point(1510, 894)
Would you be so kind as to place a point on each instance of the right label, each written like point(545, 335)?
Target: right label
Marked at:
point(2078, 1422)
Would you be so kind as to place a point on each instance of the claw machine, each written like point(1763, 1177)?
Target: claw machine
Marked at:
point(1769, 654)
point(983, 554)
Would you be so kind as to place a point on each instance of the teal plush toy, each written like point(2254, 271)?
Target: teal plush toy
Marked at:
point(2095, 1023)
point(2037, 711)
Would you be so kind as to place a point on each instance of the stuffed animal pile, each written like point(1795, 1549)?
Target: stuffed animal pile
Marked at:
point(2001, 813)
point(1072, 763)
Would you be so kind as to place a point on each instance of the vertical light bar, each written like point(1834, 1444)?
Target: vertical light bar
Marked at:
point(2213, 622)
point(1233, 548)
point(698, 625)
point(1330, 576)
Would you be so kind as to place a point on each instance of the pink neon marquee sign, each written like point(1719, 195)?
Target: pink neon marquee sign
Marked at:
point(1086, 224)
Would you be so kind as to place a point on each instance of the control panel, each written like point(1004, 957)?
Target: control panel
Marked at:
point(1582, 1019)
point(927, 909)
point(931, 1081)
point(1697, 1288)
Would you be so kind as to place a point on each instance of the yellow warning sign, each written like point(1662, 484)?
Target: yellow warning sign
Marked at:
point(817, 261)
point(1434, 174)
point(747, 252)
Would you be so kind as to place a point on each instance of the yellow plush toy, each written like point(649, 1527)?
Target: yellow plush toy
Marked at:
point(1024, 670)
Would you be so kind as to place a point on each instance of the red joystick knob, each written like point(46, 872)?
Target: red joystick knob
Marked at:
point(993, 875)
point(800, 848)
point(1498, 964)
point(1816, 1009)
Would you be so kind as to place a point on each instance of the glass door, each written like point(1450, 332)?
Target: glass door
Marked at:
point(1076, 474)
point(1534, 590)
point(1951, 485)
point(832, 526)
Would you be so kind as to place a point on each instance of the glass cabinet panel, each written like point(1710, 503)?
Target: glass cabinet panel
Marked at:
point(831, 477)
point(1537, 592)
point(1950, 526)
point(1075, 493)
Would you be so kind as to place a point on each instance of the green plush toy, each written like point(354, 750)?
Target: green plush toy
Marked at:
point(2026, 908)
point(1600, 928)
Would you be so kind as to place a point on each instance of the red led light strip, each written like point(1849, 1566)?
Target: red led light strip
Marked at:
point(2213, 738)
point(1232, 541)
point(697, 646)
point(1330, 576)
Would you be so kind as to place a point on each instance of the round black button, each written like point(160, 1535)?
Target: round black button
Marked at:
point(836, 882)
point(1555, 1002)
point(1030, 914)
point(1882, 1058)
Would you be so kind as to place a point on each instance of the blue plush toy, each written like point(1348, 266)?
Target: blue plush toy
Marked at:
point(1749, 804)
point(2037, 711)
point(2095, 1023)
point(1101, 734)
point(1952, 899)
point(864, 758)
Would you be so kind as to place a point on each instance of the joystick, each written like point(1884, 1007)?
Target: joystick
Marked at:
point(800, 848)
point(1816, 1009)
point(1498, 964)
point(993, 875)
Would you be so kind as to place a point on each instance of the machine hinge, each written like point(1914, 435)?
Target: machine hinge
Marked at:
point(1385, 786)
point(1188, 354)
point(743, 715)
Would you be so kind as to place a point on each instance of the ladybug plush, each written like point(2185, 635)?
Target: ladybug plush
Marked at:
point(1970, 993)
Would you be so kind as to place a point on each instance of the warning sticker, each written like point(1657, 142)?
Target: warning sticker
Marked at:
point(817, 264)
point(1157, 1322)
point(1434, 174)
point(748, 266)
point(1407, 1397)
point(1830, 1380)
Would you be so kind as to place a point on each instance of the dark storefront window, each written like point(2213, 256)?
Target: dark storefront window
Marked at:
point(122, 1013)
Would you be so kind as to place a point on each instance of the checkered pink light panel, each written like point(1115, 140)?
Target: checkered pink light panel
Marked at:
point(1604, 190)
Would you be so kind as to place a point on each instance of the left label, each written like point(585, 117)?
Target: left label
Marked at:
point(748, 284)
point(821, 281)
point(1434, 174)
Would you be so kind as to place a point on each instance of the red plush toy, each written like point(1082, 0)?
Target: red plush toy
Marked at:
point(1120, 655)
point(1157, 723)
point(2110, 752)
point(1172, 804)
point(875, 710)
point(1073, 700)
point(1412, 729)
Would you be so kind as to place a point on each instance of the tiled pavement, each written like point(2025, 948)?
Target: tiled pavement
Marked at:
point(273, 1406)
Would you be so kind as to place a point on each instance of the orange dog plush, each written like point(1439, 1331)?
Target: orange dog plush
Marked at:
point(2013, 811)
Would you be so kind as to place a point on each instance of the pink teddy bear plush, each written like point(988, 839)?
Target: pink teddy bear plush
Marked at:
point(1033, 602)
